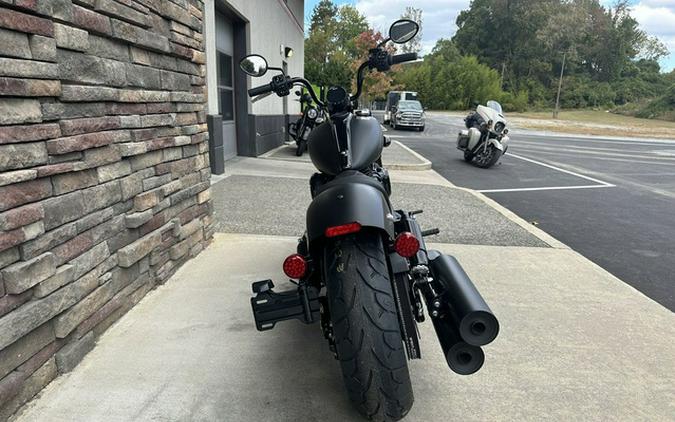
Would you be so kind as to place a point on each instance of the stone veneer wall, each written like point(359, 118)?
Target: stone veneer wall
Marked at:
point(104, 171)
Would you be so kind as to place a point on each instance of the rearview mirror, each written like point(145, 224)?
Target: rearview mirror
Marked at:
point(403, 30)
point(254, 65)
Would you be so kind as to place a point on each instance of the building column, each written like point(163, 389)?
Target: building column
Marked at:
point(213, 119)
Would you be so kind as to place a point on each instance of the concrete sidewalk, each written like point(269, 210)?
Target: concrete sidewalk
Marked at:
point(575, 343)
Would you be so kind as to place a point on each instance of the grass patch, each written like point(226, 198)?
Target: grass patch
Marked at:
point(595, 117)
point(587, 122)
point(593, 122)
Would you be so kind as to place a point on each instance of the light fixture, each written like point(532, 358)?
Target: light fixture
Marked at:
point(288, 52)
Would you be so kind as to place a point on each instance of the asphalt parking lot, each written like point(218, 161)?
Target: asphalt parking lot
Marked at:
point(611, 200)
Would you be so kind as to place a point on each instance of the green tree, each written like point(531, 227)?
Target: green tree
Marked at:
point(323, 17)
point(448, 80)
point(525, 40)
point(351, 25)
point(330, 46)
point(414, 45)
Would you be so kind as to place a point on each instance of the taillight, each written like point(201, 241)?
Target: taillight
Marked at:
point(406, 245)
point(295, 266)
point(343, 229)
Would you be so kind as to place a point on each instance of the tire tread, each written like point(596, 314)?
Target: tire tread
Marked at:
point(366, 327)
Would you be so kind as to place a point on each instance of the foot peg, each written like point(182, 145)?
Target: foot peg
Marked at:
point(270, 307)
point(430, 232)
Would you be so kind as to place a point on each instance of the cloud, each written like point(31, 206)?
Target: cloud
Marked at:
point(657, 18)
point(659, 3)
point(438, 16)
point(659, 21)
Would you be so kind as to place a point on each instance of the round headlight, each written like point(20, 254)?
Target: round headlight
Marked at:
point(312, 113)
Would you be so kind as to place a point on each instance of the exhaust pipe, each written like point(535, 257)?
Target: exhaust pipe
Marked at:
point(473, 318)
point(461, 357)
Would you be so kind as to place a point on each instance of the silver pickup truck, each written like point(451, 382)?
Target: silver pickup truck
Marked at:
point(409, 113)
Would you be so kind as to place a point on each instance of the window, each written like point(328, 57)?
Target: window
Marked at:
point(225, 87)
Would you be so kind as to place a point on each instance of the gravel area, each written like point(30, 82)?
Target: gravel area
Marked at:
point(277, 206)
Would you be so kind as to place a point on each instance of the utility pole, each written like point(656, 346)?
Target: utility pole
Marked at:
point(503, 69)
point(557, 99)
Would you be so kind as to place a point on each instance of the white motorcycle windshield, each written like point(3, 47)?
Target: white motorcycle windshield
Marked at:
point(495, 106)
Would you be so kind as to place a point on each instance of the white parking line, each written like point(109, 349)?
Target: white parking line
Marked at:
point(647, 155)
point(600, 183)
point(545, 188)
point(559, 169)
point(650, 160)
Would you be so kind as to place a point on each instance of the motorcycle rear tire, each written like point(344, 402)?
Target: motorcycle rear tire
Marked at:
point(366, 328)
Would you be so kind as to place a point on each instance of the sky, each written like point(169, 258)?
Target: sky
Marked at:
point(656, 17)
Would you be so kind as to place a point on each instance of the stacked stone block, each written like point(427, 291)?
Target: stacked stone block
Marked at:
point(104, 171)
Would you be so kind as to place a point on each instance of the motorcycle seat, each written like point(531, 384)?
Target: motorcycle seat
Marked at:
point(352, 176)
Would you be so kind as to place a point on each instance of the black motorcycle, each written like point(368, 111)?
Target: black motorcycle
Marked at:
point(301, 128)
point(362, 268)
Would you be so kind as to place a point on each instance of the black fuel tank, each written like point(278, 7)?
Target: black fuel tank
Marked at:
point(366, 145)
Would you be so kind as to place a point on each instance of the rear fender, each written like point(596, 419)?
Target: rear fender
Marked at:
point(349, 203)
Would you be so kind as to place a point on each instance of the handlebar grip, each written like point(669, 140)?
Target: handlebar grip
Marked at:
point(400, 58)
point(259, 90)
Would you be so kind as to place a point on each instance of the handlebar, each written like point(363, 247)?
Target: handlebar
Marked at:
point(400, 58)
point(310, 89)
point(380, 63)
point(259, 90)
point(375, 63)
point(271, 87)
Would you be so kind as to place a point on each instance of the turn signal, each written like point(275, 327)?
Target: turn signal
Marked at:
point(343, 229)
point(406, 245)
point(295, 266)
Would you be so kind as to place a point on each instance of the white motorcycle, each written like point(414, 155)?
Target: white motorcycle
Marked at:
point(485, 139)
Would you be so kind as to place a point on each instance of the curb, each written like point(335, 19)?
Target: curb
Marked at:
point(424, 164)
point(510, 215)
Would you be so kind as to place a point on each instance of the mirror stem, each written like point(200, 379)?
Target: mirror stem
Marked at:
point(384, 41)
point(277, 68)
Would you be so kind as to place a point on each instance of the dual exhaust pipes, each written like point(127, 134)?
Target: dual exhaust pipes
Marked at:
point(462, 320)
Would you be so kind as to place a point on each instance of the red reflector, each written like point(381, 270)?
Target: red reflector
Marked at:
point(343, 229)
point(295, 266)
point(406, 244)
